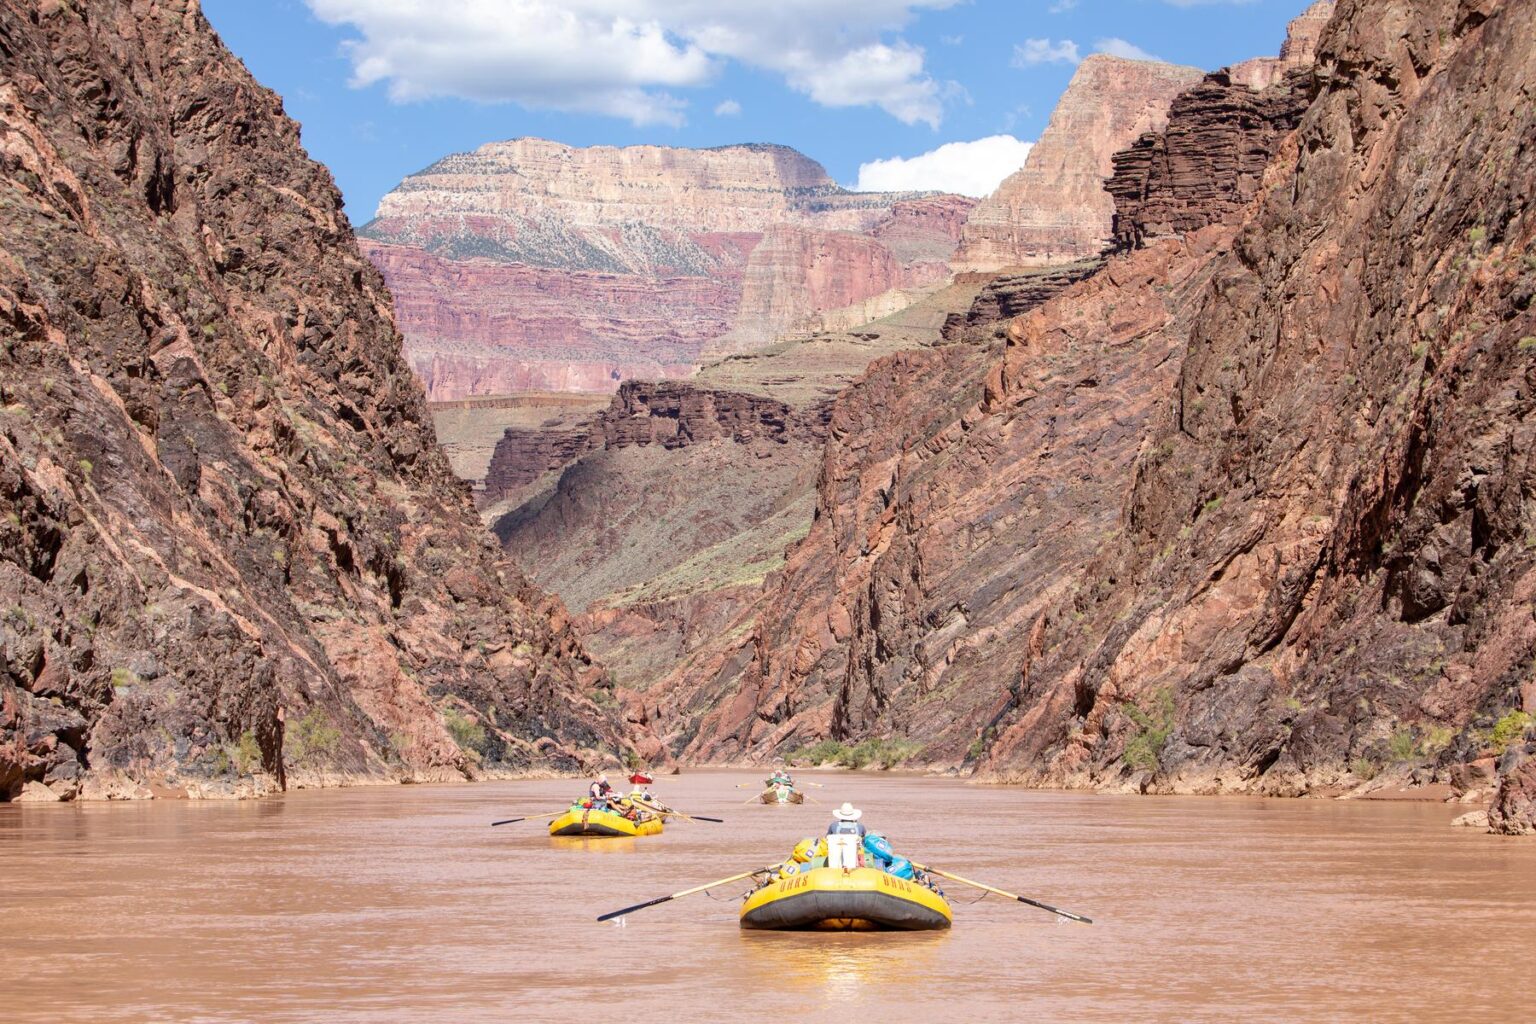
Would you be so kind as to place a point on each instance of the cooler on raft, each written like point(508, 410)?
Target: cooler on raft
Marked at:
point(591, 821)
point(832, 899)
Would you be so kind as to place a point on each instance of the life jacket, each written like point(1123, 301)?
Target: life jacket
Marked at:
point(845, 828)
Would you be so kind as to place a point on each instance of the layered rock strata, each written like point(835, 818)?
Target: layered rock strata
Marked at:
point(1209, 162)
point(668, 414)
point(1244, 511)
point(231, 553)
point(532, 265)
point(1054, 209)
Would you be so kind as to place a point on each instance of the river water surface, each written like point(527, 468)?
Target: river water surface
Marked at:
point(401, 904)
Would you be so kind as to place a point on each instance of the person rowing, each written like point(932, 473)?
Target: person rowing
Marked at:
point(845, 836)
point(601, 789)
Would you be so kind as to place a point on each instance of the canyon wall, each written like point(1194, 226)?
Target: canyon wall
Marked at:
point(530, 265)
point(1249, 508)
point(231, 552)
point(1054, 209)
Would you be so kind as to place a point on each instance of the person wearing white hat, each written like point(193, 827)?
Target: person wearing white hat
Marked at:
point(844, 837)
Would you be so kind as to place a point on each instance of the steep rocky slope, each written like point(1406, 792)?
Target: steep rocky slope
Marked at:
point(1053, 209)
point(685, 496)
point(1250, 508)
point(530, 265)
point(230, 549)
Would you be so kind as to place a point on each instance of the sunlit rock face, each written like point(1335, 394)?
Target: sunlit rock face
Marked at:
point(1054, 209)
point(530, 265)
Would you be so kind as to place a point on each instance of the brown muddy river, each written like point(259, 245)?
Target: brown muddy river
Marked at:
point(401, 904)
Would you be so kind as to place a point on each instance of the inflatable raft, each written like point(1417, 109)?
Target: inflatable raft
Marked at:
point(831, 899)
point(587, 821)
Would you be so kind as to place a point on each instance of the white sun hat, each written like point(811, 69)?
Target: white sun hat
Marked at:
point(847, 812)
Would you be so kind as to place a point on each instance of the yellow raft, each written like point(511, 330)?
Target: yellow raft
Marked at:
point(831, 899)
point(587, 821)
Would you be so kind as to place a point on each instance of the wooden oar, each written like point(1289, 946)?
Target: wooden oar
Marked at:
point(528, 817)
point(999, 892)
point(686, 892)
point(663, 809)
point(759, 798)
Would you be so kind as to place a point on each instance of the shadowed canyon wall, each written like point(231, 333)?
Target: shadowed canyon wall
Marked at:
point(230, 549)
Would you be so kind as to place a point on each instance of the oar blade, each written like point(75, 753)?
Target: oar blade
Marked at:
point(1055, 910)
point(630, 910)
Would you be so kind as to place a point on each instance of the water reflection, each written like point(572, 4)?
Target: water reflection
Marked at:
point(842, 966)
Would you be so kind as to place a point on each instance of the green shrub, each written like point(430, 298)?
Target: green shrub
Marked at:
point(1403, 745)
point(1511, 727)
point(312, 735)
point(124, 678)
point(1435, 739)
point(1364, 769)
point(825, 752)
point(247, 754)
point(466, 732)
point(1527, 343)
point(1153, 727)
point(881, 753)
point(870, 753)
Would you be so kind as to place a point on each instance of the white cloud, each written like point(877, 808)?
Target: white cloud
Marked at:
point(967, 168)
point(727, 108)
point(1043, 51)
point(1062, 6)
point(1117, 47)
point(627, 58)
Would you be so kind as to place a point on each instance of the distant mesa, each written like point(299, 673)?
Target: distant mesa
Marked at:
point(532, 265)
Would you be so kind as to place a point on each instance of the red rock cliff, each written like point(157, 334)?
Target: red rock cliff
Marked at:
point(1245, 510)
point(1054, 210)
point(230, 550)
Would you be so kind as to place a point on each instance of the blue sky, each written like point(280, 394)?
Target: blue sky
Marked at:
point(386, 87)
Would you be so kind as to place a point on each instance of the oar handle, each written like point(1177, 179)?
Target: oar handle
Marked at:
point(527, 817)
point(686, 892)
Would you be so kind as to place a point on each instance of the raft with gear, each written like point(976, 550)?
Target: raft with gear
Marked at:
point(835, 899)
point(600, 822)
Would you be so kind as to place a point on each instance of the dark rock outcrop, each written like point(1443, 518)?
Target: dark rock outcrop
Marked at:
point(230, 550)
point(1210, 161)
point(1013, 294)
point(669, 414)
